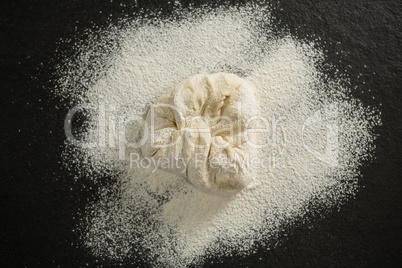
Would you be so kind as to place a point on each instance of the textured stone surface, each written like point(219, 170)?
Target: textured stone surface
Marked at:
point(37, 207)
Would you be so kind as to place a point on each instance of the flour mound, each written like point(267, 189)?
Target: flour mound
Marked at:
point(143, 214)
point(201, 130)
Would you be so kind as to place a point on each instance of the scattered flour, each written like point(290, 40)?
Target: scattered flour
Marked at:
point(317, 136)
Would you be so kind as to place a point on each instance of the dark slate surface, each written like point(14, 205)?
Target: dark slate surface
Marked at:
point(36, 209)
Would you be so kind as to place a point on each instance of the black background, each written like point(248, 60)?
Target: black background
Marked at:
point(36, 198)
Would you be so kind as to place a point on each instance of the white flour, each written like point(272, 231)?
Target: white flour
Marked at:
point(317, 137)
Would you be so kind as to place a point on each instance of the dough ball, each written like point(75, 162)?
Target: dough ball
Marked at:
point(199, 130)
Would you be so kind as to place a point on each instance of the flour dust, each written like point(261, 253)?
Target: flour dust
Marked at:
point(316, 136)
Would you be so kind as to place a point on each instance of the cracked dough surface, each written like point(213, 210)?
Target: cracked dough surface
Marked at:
point(198, 130)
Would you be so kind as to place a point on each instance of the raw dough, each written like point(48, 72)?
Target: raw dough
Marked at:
point(197, 130)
